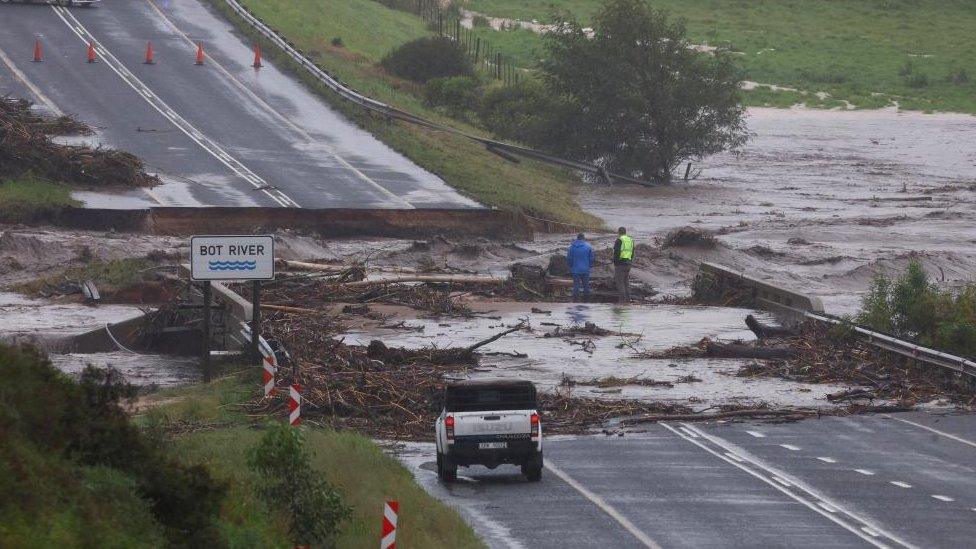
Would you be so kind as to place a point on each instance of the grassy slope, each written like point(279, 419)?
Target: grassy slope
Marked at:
point(848, 49)
point(366, 476)
point(368, 30)
point(25, 200)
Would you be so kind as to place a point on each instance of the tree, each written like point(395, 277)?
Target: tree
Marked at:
point(646, 100)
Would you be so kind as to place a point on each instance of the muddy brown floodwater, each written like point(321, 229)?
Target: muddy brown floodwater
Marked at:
point(822, 199)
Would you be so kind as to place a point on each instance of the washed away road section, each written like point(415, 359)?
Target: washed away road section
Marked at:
point(220, 134)
point(899, 481)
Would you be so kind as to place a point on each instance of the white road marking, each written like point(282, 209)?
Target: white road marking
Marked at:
point(791, 447)
point(162, 108)
point(274, 112)
point(781, 481)
point(689, 433)
point(826, 459)
point(604, 506)
point(936, 431)
point(800, 492)
point(756, 434)
point(870, 532)
point(30, 85)
point(865, 472)
point(733, 456)
point(942, 498)
point(901, 484)
point(828, 507)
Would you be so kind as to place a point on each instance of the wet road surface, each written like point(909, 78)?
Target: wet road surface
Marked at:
point(905, 480)
point(221, 134)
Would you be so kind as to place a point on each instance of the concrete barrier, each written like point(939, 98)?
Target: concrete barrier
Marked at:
point(787, 305)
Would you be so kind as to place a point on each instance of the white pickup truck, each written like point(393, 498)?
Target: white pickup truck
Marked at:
point(489, 423)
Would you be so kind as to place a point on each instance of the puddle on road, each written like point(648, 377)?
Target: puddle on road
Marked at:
point(548, 360)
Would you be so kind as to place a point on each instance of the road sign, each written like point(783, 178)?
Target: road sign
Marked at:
point(232, 257)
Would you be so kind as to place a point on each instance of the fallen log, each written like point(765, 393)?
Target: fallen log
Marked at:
point(470, 349)
point(739, 350)
point(318, 267)
point(454, 279)
point(287, 309)
point(649, 418)
point(764, 331)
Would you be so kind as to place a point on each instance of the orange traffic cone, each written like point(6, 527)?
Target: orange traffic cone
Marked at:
point(150, 55)
point(38, 53)
point(91, 53)
point(199, 54)
point(257, 56)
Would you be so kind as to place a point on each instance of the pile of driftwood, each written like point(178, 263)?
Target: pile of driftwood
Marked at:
point(27, 149)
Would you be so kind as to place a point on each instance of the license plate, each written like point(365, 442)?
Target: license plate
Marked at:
point(492, 445)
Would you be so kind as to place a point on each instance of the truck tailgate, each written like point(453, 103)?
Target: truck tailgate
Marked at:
point(492, 423)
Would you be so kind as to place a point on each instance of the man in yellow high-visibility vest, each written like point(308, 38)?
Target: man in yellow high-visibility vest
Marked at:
point(623, 257)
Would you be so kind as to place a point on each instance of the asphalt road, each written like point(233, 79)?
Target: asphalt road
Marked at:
point(906, 480)
point(221, 134)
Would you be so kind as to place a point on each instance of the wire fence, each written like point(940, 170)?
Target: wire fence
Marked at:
point(485, 56)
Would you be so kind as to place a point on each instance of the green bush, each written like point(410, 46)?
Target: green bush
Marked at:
point(428, 58)
point(527, 112)
point(458, 94)
point(958, 76)
point(911, 307)
point(314, 508)
point(81, 427)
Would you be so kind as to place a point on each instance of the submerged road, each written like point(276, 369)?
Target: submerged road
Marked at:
point(220, 134)
point(904, 480)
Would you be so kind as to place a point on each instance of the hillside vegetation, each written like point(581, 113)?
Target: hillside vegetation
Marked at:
point(871, 53)
point(349, 38)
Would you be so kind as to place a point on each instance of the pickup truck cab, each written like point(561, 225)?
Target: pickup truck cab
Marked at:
point(489, 423)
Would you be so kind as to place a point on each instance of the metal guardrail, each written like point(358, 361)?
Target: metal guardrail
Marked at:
point(905, 348)
point(348, 93)
point(795, 306)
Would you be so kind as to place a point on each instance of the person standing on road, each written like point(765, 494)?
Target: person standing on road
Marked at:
point(580, 260)
point(623, 256)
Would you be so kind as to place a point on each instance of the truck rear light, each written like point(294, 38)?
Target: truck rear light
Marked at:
point(449, 427)
point(534, 420)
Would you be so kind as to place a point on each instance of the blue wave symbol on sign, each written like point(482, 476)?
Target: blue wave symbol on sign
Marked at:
point(233, 265)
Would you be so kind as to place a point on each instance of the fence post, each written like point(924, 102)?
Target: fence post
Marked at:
point(498, 65)
point(477, 49)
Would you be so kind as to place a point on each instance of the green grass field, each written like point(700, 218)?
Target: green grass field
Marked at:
point(368, 30)
point(219, 434)
point(870, 53)
point(24, 200)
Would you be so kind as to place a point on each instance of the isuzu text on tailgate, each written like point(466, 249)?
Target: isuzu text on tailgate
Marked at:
point(489, 423)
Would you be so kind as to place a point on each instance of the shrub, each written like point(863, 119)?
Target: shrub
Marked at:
point(428, 58)
point(337, 42)
point(459, 94)
point(958, 76)
point(528, 113)
point(911, 307)
point(480, 21)
point(314, 508)
point(918, 80)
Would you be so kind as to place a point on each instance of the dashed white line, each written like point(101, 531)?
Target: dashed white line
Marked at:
point(901, 484)
point(803, 494)
point(756, 434)
point(865, 472)
point(936, 431)
point(604, 506)
point(791, 447)
point(942, 498)
point(826, 459)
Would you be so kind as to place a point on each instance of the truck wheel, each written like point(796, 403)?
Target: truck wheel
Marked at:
point(446, 468)
point(532, 469)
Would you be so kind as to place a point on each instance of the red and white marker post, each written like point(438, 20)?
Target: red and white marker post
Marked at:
point(391, 510)
point(268, 377)
point(295, 404)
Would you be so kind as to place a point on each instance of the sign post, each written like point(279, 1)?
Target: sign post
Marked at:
point(232, 257)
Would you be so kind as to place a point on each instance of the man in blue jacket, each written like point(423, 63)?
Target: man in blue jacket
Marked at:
point(580, 259)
